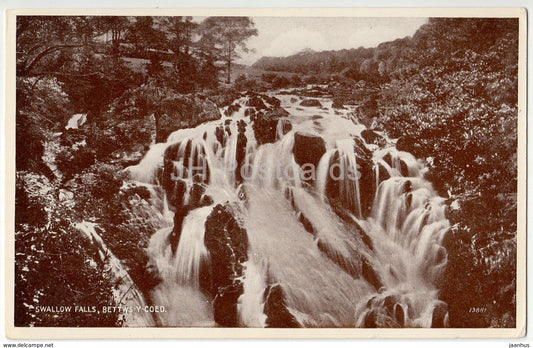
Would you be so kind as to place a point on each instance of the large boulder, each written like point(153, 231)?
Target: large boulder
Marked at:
point(227, 243)
point(311, 102)
point(371, 137)
point(241, 150)
point(275, 102)
point(438, 318)
point(308, 148)
point(365, 176)
point(276, 309)
point(265, 125)
point(408, 144)
point(184, 111)
point(256, 102)
point(337, 105)
point(232, 109)
point(370, 274)
point(225, 305)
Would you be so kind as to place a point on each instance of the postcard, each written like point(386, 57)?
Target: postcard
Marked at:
point(183, 173)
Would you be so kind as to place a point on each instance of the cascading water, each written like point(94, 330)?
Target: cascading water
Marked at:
point(356, 243)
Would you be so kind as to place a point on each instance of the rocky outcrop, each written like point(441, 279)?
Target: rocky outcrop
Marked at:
point(365, 174)
point(337, 105)
point(408, 144)
point(370, 275)
point(256, 102)
point(311, 102)
point(275, 102)
point(372, 137)
point(276, 309)
point(241, 150)
point(185, 111)
point(404, 169)
point(265, 125)
point(438, 318)
point(232, 109)
point(308, 149)
point(227, 243)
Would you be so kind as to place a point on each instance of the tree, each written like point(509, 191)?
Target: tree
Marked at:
point(54, 45)
point(227, 34)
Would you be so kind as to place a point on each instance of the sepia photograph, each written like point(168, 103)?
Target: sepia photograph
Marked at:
point(268, 170)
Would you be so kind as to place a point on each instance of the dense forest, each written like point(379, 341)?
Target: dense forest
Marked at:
point(448, 95)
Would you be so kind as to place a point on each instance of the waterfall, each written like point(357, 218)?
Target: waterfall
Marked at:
point(125, 292)
point(356, 244)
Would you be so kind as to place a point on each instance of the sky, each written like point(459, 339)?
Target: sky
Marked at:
point(283, 36)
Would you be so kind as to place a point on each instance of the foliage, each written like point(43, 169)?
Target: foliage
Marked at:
point(459, 111)
point(40, 105)
point(55, 264)
point(125, 230)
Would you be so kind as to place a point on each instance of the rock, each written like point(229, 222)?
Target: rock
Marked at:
point(383, 173)
point(294, 100)
point(442, 255)
point(275, 102)
point(399, 314)
point(227, 243)
point(370, 274)
point(276, 309)
point(249, 112)
point(388, 159)
point(365, 168)
point(233, 108)
point(175, 193)
point(370, 320)
point(438, 317)
point(364, 174)
point(196, 193)
point(306, 223)
point(277, 112)
point(337, 105)
point(389, 303)
point(366, 239)
point(404, 169)
point(372, 137)
point(265, 127)
point(408, 144)
point(308, 149)
point(256, 102)
point(345, 263)
point(219, 134)
point(225, 306)
point(141, 191)
point(311, 102)
point(360, 149)
point(241, 150)
point(185, 111)
point(175, 235)
point(69, 137)
point(206, 200)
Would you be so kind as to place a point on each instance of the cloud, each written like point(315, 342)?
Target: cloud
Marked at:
point(294, 40)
